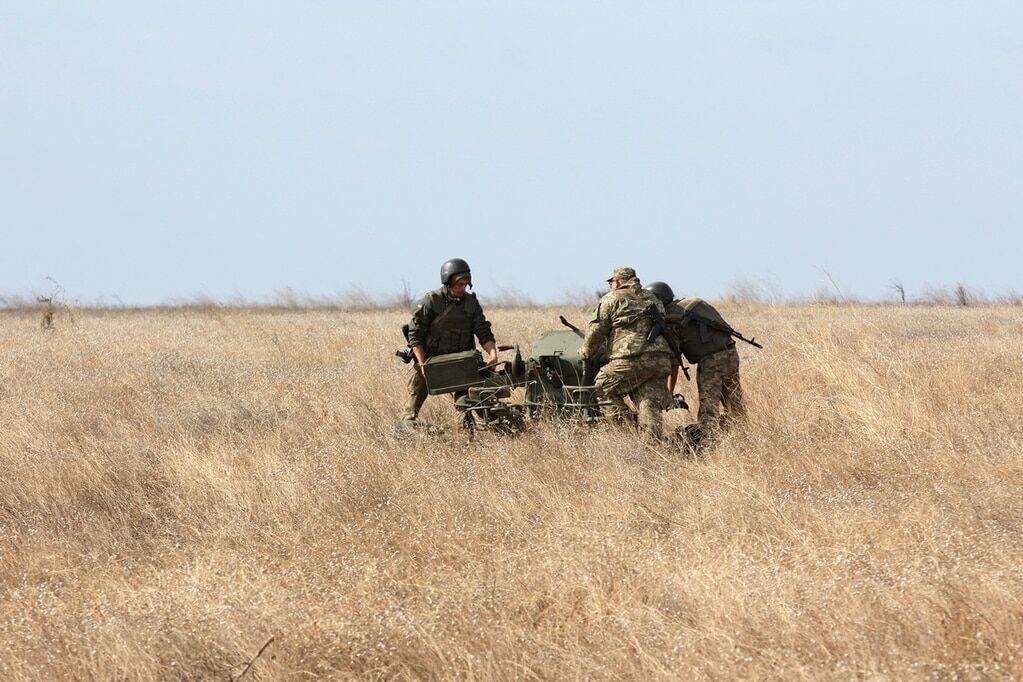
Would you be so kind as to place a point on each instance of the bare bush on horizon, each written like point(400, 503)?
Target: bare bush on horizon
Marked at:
point(179, 486)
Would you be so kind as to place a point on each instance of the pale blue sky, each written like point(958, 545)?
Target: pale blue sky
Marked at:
point(162, 150)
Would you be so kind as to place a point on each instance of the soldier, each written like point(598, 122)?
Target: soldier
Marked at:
point(711, 350)
point(638, 368)
point(444, 321)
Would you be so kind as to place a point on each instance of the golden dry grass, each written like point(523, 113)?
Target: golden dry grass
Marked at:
point(177, 487)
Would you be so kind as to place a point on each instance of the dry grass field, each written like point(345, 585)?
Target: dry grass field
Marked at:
point(179, 486)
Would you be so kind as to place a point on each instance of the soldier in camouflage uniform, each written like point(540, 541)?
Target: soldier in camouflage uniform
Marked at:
point(445, 321)
point(711, 350)
point(637, 368)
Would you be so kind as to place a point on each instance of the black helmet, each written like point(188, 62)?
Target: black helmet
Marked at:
point(453, 267)
point(662, 291)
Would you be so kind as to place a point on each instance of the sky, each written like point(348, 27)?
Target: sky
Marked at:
point(164, 151)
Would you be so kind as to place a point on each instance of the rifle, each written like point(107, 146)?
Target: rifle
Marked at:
point(660, 328)
point(714, 324)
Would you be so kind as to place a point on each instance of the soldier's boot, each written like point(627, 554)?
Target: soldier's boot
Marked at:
point(691, 439)
point(407, 424)
point(405, 428)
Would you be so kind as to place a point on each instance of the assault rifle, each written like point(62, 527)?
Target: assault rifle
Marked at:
point(714, 324)
point(660, 328)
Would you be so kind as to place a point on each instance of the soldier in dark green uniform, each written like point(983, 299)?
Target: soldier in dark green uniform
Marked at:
point(445, 320)
point(711, 350)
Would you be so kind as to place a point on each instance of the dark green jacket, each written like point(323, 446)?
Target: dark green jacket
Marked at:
point(442, 324)
point(695, 339)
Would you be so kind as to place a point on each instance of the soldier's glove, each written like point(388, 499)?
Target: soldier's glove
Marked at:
point(678, 402)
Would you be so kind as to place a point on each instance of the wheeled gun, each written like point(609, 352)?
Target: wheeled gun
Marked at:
point(557, 382)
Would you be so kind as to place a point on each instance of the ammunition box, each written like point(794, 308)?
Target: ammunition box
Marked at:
point(452, 372)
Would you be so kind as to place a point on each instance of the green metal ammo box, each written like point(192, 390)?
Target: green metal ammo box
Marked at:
point(453, 372)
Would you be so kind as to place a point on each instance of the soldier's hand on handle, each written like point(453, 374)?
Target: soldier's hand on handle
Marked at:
point(491, 348)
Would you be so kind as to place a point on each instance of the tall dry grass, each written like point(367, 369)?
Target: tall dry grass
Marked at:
point(177, 487)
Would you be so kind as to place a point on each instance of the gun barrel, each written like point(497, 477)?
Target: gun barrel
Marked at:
point(571, 326)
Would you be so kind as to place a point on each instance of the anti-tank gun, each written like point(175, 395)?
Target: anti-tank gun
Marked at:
point(557, 382)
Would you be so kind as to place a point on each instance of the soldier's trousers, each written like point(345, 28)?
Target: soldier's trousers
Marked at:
point(644, 379)
point(717, 380)
point(417, 394)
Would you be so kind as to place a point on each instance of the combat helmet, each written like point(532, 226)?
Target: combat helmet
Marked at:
point(662, 291)
point(453, 268)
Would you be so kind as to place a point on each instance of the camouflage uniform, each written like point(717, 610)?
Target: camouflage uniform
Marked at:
point(713, 352)
point(442, 324)
point(637, 368)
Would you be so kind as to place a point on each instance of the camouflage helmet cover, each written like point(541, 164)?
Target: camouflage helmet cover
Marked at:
point(662, 291)
point(453, 267)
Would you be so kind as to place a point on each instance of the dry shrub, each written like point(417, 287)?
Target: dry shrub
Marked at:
point(960, 295)
point(1009, 298)
point(745, 292)
point(178, 486)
